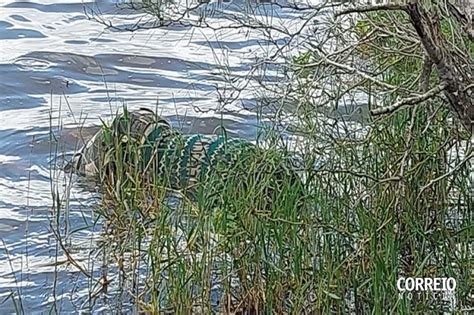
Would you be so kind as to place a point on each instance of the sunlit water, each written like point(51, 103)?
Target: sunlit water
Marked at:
point(60, 71)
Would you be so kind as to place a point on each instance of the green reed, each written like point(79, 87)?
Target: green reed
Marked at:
point(253, 239)
point(337, 241)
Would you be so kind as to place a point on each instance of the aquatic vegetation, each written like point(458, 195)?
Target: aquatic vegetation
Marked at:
point(243, 203)
point(226, 248)
point(380, 197)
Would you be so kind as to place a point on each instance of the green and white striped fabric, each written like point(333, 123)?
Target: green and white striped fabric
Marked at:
point(141, 139)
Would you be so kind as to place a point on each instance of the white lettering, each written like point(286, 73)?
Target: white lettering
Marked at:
point(437, 284)
point(451, 284)
point(419, 284)
point(409, 284)
point(399, 284)
point(426, 284)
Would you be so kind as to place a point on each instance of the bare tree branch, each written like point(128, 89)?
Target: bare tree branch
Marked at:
point(372, 8)
point(454, 90)
point(462, 18)
point(409, 101)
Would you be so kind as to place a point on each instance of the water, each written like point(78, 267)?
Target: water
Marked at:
point(61, 73)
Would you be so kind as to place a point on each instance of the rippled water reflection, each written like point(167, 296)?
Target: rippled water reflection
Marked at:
point(60, 71)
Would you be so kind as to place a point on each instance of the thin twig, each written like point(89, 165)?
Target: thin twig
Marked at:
point(372, 8)
point(409, 101)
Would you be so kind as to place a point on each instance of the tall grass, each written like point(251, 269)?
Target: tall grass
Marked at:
point(216, 247)
point(370, 210)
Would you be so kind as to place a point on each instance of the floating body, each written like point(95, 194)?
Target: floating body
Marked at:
point(143, 141)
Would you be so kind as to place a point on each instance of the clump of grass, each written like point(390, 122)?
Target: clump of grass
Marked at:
point(252, 238)
point(227, 243)
point(394, 202)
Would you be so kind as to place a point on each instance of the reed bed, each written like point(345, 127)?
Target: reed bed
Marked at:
point(365, 212)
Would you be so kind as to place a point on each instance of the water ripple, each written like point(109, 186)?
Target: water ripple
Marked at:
point(61, 74)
